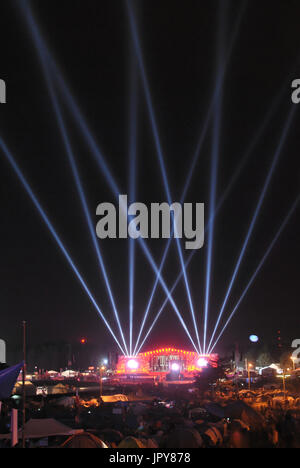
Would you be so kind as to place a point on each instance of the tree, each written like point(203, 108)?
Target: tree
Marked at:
point(250, 355)
point(286, 361)
point(208, 377)
point(264, 359)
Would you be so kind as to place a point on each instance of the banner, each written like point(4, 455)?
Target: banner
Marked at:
point(8, 378)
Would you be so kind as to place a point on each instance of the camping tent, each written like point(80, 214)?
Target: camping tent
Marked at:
point(113, 398)
point(131, 442)
point(239, 410)
point(84, 440)
point(69, 373)
point(58, 389)
point(120, 397)
point(184, 437)
point(30, 388)
point(40, 428)
point(215, 410)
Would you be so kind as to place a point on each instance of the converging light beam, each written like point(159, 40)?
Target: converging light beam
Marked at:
point(255, 215)
point(201, 139)
point(264, 258)
point(132, 187)
point(99, 157)
point(214, 172)
point(160, 156)
point(56, 237)
point(250, 148)
point(78, 183)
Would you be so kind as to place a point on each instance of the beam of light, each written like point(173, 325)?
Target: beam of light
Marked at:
point(250, 148)
point(167, 292)
point(233, 179)
point(67, 95)
point(99, 158)
point(116, 191)
point(152, 295)
point(159, 152)
point(138, 348)
point(201, 139)
point(218, 87)
point(275, 239)
point(255, 215)
point(56, 237)
point(214, 172)
point(212, 206)
point(132, 188)
point(78, 183)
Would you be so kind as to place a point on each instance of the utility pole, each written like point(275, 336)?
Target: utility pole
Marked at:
point(24, 389)
point(248, 368)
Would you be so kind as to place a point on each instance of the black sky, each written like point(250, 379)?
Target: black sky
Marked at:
point(90, 42)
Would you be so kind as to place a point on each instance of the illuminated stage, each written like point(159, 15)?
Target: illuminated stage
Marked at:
point(163, 361)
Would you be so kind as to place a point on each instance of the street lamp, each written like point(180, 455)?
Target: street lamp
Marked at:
point(249, 375)
point(284, 376)
point(101, 369)
point(283, 382)
point(293, 359)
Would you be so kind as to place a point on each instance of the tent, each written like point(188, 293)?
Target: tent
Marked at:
point(84, 440)
point(215, 410)
point(58, 389)
point(131, 442)
point(40, 428)
point(111, 436)
point(29, 387)
point(184, 438)
point(113, 398)
point(69, 373)
point(239, 410)
point(214, 435)
point(131, 398)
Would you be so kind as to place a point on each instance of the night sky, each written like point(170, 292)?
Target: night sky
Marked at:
point(91, 44)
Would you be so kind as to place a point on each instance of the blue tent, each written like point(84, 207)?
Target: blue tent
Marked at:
point(8, 378)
